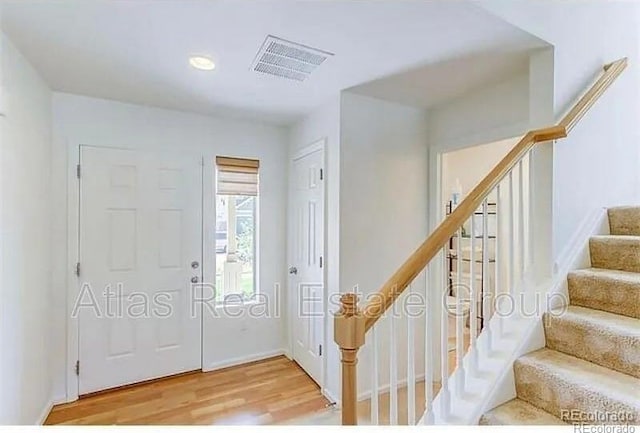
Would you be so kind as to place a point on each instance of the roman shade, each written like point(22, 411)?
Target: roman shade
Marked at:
point(237, 176)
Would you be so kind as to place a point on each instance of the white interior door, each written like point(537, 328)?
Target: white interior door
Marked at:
point(140, 246)
point(307, 280)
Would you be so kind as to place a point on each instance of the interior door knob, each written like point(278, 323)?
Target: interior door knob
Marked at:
point(293, 270)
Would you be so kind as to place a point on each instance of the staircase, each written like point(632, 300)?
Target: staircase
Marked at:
point(591, 363)
point(592, 355)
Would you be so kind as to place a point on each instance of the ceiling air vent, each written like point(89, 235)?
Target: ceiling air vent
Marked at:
point(288, 59)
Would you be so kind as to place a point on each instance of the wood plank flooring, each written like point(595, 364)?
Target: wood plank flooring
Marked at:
point(271, 391)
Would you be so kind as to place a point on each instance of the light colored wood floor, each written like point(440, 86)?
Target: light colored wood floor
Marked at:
point(271, 391)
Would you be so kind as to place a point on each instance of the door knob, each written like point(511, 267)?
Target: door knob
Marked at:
point(293, 270)
point(194, 280)
point(195, 265)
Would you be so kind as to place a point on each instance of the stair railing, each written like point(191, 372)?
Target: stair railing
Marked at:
point(501, 267)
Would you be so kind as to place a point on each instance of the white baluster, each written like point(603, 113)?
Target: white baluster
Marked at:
point(521, 219)
point(375, 385)
point(428, 350)
point(444, 344)
point(411, 369)
point(496, 256)
point(393, 371)
point(459, 315)
point(486, 301)
point(530, 238)
point(510, 234)
point(473, 297)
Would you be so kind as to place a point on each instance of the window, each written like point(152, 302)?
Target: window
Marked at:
point(236, 227)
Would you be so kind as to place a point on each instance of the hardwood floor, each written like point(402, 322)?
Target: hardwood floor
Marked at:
point(271, 391)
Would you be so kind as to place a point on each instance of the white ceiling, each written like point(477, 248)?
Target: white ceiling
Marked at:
point(433, 84)
point(137, 51)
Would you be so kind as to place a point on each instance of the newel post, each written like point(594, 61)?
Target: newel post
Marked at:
point(349, 335)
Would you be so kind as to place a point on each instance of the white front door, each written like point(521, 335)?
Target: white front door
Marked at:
point(140, 246)
point(307, 243)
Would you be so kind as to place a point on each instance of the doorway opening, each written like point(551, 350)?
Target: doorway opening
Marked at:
point(471, 253)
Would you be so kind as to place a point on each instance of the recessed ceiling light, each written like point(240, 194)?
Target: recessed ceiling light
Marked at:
point(201, 62)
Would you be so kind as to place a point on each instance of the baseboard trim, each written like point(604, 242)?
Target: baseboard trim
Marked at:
point(573, 254)
point(386, 387)
point(367, 394)
point(332, 398)
point(46, 410)
point(242, 360)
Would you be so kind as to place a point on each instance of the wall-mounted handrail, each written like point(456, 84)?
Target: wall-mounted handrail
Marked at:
point(611, 72)
point(352, 323)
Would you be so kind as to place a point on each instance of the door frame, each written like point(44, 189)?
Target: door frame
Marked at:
point(315, 146)
point(73, 283)
point(74, 153)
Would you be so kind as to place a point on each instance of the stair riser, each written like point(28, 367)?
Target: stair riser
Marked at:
point(624, 221)
point(555, 394)
point(518, 412)
point(618, 254)
point(489, 420)
point(607, 347)
point(606, 294)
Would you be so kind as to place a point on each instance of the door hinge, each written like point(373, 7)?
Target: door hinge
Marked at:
point(320, 261)
point(78, 269)
point(321, 174)
point(78, 171)
point(78, 368)
point(320, 350)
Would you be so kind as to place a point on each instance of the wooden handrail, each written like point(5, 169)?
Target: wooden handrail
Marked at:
point(401, 279)
point(351, 323)
point(377, 305)
point(612, 72)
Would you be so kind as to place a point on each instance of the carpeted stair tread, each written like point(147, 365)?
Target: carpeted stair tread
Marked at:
point(624, 220)
point(518, 412)
point(557, 382)
point(606, 339)
point(616, 252)
point(608, 290)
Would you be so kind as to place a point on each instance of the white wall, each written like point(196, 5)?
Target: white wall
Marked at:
point(25, 289)
point(383, 205)
point(489, 114)
point(82, 120)
point(498, 112)
point(470, 165)
point(324, 123)
point(598, 165)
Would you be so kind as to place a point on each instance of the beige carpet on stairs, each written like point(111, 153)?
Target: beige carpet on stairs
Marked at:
point(589, 370)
